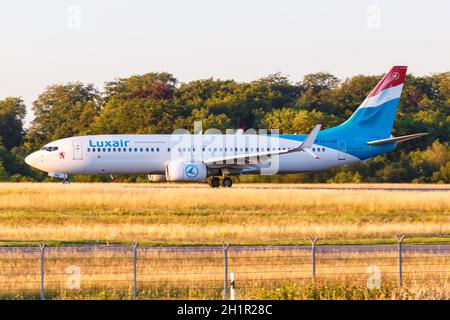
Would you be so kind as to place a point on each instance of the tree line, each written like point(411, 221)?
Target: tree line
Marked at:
point(159, 103)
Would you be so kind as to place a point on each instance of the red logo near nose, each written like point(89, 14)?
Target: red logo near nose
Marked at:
point(62, 155)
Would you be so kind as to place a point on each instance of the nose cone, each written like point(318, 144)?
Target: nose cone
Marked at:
point(32, 160)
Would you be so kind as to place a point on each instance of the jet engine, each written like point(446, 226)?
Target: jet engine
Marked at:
point(186, 171)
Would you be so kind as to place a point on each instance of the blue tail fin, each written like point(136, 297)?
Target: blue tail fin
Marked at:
point(375, 116)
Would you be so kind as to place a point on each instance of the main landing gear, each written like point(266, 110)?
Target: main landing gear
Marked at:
point(227, 182)
point(66, 181)
point(216, 182)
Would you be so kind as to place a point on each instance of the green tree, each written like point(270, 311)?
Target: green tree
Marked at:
point(137, 115)
point(62, 111)
point(12, 113)
point(153, 85)
point(291, 121)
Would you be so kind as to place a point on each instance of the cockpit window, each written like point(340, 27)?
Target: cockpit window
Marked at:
point(49, 148)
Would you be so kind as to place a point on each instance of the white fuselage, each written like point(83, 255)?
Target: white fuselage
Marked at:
point(149, 154)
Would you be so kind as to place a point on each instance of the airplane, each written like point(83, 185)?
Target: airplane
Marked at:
point(217, 157)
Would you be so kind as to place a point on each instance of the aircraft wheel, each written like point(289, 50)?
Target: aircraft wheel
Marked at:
point(215, 182)
point(66, 181)
point(227, 182)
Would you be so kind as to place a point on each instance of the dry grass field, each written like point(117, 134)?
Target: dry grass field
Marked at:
point(245, 214)
point(190, 214)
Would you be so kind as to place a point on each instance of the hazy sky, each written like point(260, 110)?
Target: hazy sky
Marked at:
point(46, 42)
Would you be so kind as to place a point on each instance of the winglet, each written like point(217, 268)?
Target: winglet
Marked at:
point(309, 140)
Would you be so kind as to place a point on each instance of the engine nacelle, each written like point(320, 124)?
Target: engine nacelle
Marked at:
point(185, 171)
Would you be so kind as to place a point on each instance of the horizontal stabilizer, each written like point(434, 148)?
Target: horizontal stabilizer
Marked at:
point(397, 139)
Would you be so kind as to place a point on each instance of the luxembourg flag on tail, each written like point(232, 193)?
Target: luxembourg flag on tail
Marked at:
point(374, 118)
point(389, 88)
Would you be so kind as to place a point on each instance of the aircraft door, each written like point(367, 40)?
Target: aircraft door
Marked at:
point(342, 150)
point(77, 150)
point(197, 150)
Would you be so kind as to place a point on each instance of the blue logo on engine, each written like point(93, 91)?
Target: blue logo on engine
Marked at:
point(191, 171)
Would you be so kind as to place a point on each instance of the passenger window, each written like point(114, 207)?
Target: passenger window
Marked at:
point(323, 149)
point(114, 149)
point(88, 149)
point(314, 149)
point(109, 149)
point(168, 149)
point(135, 149)
point(141, 149)
point(104, 149)
point(157, 149)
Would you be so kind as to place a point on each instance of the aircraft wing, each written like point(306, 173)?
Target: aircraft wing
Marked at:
point(254, 158)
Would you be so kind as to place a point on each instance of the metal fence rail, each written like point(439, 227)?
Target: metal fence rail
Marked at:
point(215, 272)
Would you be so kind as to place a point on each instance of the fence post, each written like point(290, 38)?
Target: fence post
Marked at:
point(232, 286)
point(313, 256)
point(225, 280)
point(400, 259)
point(134, 245)
point(42, 249)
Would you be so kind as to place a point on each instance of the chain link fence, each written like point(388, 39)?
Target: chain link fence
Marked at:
point(220, 272)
